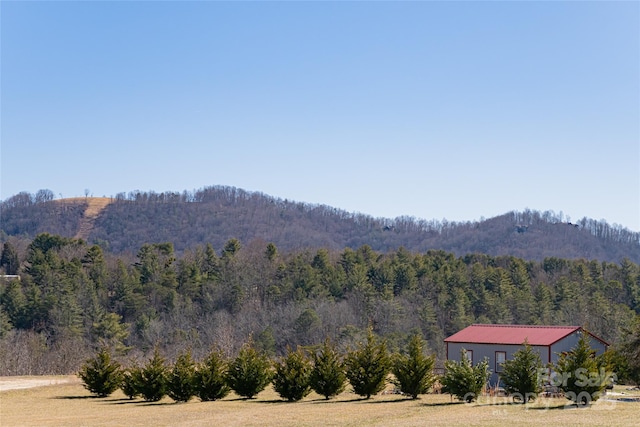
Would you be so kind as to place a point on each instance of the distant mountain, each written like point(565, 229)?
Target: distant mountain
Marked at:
point(216, 214)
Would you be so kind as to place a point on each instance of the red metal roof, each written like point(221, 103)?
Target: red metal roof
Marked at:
point(512, 334)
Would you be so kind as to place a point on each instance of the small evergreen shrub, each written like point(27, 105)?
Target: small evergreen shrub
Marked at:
point(521, 375)
point(327, 375)
point(414, 371)
point(292, 377)
point(131, 381)
point(100, 374)
point(582, 379)
point(463, 380)
point(249, 372)
point(181, 384)
point(367, 367)
point(153, 378)
point(211, 377)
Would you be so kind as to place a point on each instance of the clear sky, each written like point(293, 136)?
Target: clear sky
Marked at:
point(437, 110)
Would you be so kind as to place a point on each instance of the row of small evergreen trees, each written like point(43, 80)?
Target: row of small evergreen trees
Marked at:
point(293, 376)
point(326, 372)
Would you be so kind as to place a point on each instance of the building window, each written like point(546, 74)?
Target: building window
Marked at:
point(469, 354)
point(501, 356)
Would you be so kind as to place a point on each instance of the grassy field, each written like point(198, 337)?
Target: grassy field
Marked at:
point(70, 404)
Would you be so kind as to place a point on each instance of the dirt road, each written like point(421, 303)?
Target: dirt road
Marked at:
point(15, 383)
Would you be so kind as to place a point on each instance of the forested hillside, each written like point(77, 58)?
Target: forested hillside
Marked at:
point(73, 296)
point(216, 214)
point(214, 266)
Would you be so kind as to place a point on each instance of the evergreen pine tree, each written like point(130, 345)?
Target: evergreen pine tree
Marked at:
point(9, 259)
point(14, 303)
point(327, 375)
point(367, 366)
point(414, 371)
point(131, 383)
point(292, 377)
point(100, 374)
point(583, 379)
point(210, 268)
point(181, 384)
point(521, 375)
point(462, 379)
point(153, 378)
point(211, 377)
point(249, 372)
point(630, 350)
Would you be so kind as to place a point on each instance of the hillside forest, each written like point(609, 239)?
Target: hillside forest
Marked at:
point(72, 297)
point(214, 215)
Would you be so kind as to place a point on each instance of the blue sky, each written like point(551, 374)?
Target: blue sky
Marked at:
point(456, 110)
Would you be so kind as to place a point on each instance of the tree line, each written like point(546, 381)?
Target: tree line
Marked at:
point(73, 296)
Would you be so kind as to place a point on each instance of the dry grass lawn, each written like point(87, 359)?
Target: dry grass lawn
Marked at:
point(66, 404)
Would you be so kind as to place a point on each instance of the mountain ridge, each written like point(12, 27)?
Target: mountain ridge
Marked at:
point(216, 214)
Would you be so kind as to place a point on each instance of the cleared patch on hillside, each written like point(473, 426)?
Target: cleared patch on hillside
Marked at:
point(94, 206)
